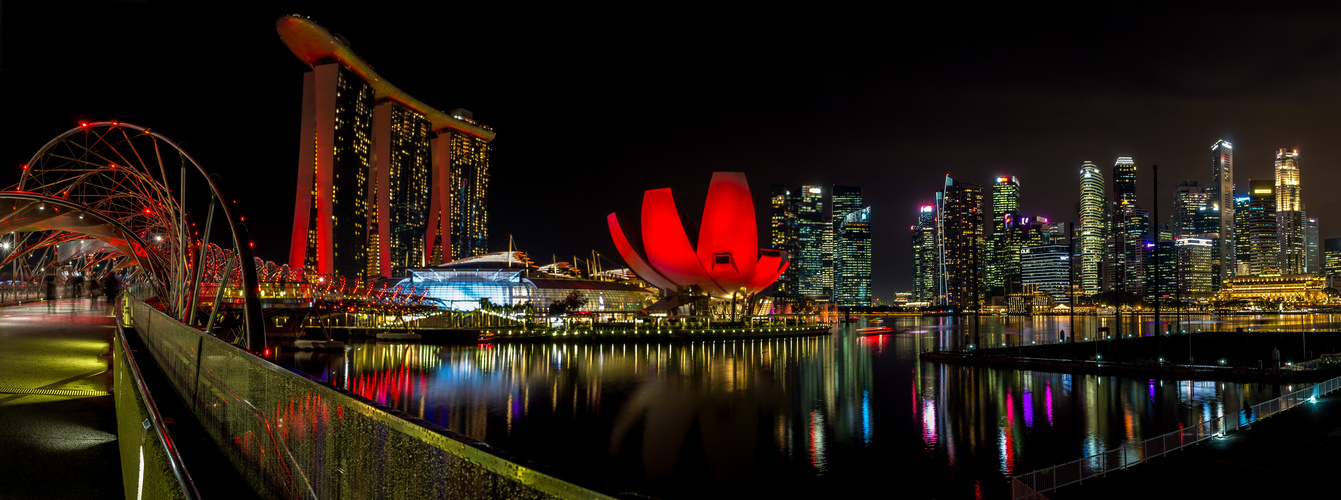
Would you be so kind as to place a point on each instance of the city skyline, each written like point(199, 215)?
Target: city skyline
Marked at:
point(990, 103)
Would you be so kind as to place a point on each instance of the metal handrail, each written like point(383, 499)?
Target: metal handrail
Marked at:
point(1031, 485)
point(156, 420)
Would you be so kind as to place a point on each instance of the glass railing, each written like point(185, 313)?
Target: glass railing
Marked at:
point(150, 466)
point(292, 437)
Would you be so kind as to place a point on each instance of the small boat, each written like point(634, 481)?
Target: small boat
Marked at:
point(875, 330)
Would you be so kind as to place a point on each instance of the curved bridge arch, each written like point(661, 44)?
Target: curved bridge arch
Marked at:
point(122, 172)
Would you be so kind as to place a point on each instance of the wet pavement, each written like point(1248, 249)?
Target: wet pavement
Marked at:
point(57, 417)
point(1293, 453)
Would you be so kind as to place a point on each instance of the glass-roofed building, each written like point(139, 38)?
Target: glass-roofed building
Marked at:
point(509, 279)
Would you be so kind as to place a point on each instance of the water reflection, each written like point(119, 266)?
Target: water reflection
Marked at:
point(816, 414)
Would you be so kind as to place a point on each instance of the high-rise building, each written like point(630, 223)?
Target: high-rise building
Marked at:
point(926, 271)
point(1003, 250)
point(811, 241)
point(1048, 268)
point(1130, 242)
point(843, 200)
point(1289, 213)
point(1331, 261)
point(1312, 262)
point(1242, 240)
point(468, 225)
point(786, 237)
point(330, 223)
point(1194, 273)
point(1192, 211)
point(374, 184)
point(1093, 227)
point(1124, 181)
point(1262, 237)
point(398, 190)
point(961, 244)
point(852, 285)
point(1221, 193)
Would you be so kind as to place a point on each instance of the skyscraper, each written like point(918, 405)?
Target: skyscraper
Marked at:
point(1130, 241)
point(843, 200)
point(1289, 213)
point(810, 240)
point(926, 272)
point(468, 225)
point(1262, 237)
point(1047, 268)
point(1191, 205)
point(1194, 273)
point(1124, 181)
point(1093, 223)
point(398, 191)
point(785, 236)
point(1221, 193)
point(1242, 239)
point(1003, 250)
point(852, 281)
point(1312, 263)
point(330, 223)
point(961, 243)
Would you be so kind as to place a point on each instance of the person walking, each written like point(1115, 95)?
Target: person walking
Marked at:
point(50, 280)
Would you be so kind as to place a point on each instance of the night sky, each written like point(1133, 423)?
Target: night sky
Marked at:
point(593, 106)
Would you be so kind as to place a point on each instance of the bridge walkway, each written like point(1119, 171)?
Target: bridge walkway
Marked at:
point(57, 417)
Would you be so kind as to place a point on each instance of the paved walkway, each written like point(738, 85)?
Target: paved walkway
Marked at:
point(1292, 454)
point(57, 446)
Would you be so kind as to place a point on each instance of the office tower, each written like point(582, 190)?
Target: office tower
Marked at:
point(786, 236)
point(1093, 225)
point(961, 244)
point(1263, 250)
point(330, 231)
point(1003, 250)
point(1124, 181)
point(1195, 276)
point(1191, 206)
point(1312, 263)
point(925, 269)
point(1242, 241)
point(1221, 193)
point(1289, 213)
point(468, 225)
point(1331, 261)
point(398, 190)
point(852, 285)
point(1047, 268)
point(810, 240)
point(843, 200)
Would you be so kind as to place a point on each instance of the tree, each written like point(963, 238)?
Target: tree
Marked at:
point(571, 303)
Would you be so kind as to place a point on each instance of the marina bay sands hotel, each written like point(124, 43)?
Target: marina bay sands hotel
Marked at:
point(385, 182)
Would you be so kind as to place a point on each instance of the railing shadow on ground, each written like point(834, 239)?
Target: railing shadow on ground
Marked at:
point(292, 437)
point(1032, 485)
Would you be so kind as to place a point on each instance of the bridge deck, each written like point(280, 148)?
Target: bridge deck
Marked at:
point(57, 417)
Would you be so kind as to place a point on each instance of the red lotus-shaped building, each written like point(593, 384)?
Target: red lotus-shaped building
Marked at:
point(728, 260)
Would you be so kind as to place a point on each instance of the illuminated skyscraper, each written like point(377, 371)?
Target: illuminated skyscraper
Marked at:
point(1194, 274)
point(1130, 243)
point(852, 285)
point(843, 200)
point(1289, 213)
point(1193, 215)
point(926, 272)
point(1093, 224)
point(1262, 236)
point(1221, 193)
point(785, 236)
point(1312, 262)
point(961, 244)
point(1047, 268)
point(1003, 250)
point(810, 238)
point(1242, 239)
point(398, 191)
point(1124, 181)
point(469, 185)
point(330, 223)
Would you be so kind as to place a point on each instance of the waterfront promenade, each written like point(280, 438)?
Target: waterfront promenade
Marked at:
point(57, 417)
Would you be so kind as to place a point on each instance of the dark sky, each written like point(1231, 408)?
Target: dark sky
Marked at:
point(594, 105)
